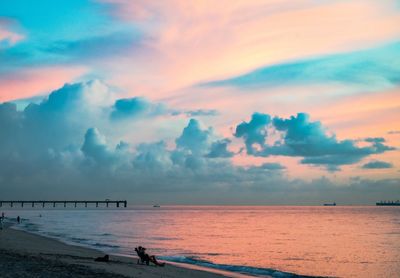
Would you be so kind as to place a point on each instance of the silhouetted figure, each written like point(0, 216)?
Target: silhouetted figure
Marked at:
point(18, 219)
point(146, 258)
point(1, 223)
point(106, 258)
point(2, 215)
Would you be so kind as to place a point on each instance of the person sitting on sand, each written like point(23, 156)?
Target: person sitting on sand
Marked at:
point(106, 258)
point(146, 258)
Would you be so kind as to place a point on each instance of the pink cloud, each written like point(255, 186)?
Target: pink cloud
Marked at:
point(192, 42)
point(7, 35)
point(32, 82)
point(366, 115)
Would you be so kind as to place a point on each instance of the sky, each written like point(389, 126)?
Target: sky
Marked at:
point(261, 102)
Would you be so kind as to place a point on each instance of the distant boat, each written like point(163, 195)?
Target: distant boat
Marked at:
point(388, 203)
point(330, 205)
point(156, 206)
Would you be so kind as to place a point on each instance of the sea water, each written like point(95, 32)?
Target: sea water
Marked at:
point(270, 241)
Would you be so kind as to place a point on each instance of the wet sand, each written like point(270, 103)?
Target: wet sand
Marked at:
point(28, 255)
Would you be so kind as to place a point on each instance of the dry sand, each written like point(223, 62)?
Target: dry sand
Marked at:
point(28, 255)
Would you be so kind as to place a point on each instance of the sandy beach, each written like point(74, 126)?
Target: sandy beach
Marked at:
point(28, 255)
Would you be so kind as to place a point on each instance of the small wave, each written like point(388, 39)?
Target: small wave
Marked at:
point(30, 227)
point(248, 270)
point(78, 239)
point(104, 245)
point(212, 254)
point(56, 235)
point(105, 234)
point(164, 238)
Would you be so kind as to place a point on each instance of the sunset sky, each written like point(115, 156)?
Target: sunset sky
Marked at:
point(200, 102)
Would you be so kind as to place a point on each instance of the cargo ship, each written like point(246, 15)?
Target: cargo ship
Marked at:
point(330, 204)
point(388, 203)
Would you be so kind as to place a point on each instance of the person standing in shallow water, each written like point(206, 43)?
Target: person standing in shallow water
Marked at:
point(18, 219)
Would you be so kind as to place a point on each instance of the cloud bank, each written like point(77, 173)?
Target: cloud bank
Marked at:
point(303, 138)
point(73, 144)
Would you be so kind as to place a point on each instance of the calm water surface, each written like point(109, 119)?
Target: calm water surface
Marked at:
point(320, 241)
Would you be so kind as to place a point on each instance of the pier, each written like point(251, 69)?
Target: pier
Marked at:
point(388, 203)
point(64, 203)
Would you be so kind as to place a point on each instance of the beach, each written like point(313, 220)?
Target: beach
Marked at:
point(219, 241)
point(24, 254)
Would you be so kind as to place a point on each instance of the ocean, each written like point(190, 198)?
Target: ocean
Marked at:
point(264, 241)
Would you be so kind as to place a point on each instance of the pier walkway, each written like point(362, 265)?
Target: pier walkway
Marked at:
point(64, 203)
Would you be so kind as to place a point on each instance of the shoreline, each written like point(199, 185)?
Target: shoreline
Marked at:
point(23, 252)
